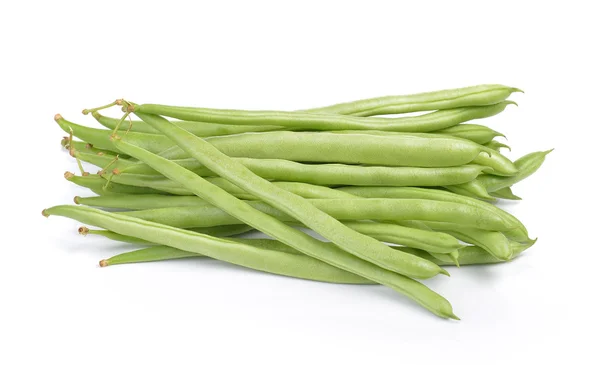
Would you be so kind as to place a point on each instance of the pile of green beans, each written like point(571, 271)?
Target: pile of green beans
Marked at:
point(393, 199)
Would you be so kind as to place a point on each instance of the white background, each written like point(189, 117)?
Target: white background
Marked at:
point(58, 305)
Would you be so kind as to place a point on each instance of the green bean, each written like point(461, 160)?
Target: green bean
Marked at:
point(495, 243)
point(315, 121)
point(518, 234)
point(474, 132)
point(339, 174)
point(294, 238)
point(198, 128)
point(473, 189)
point(148, 254)
point(443, 99)
point(99, 185)
point(217, 231)
point(495, 145)
point(499, 164)
point(252, 256)
point(393, 150)
point(207, 215)
point(526, 166)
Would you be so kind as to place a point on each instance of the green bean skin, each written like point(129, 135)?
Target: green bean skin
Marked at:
point(505, 193)
point(473, 132)
point(443, 99)
point(363, 246)
point(198, 128)
point(526, 166)
point(316, 121)
point(341, 209)
point(99, 185)
point(519, 233)
point(297, 239)
point(251, 256)
point(495, 243)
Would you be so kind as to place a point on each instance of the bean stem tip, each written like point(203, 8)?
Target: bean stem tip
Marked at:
point(45, 214)
point(58, 117)
point(103, 263)
point(76, 201)
point(83, 230)
point(68, 175)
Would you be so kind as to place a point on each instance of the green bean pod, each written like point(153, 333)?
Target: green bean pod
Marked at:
point(342, 209)
point(443, 99)
point(526, 166)
point(327, 122)
point(198, 128)
point(501, 165)
point(339, 174)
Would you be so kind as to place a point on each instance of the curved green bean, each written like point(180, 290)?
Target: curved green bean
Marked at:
point(443, 99)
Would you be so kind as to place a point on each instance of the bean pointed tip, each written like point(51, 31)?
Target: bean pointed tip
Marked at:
point(517, 90)
point(548, 151)
point(510, 102)
point(453, 316)
point(444, 272)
